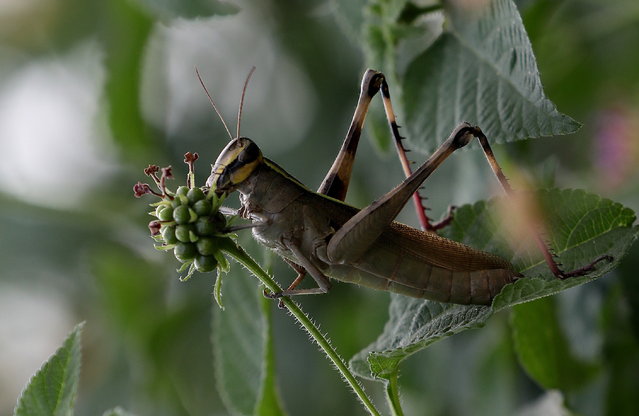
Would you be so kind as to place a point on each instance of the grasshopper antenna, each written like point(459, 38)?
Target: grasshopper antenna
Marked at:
point(239, 111)
point(213, 104)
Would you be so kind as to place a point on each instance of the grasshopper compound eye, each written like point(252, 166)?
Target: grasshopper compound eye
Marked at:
point(249, 152)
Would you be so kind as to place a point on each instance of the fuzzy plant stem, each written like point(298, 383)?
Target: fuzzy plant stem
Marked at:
point(243, 258)
point(392, 395)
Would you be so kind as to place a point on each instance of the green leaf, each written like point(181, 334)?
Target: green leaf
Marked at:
point(621, 351)
point(52, 390)
point(481, 70)
point(125, 32)
point(381, 33)
point(243, 350)
point(582, 226)
point(543, 350)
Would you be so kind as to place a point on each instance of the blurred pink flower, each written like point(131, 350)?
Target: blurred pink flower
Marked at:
point(615, 145)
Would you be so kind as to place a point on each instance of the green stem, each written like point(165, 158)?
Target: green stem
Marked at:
point(392, 395)
point(243, 258)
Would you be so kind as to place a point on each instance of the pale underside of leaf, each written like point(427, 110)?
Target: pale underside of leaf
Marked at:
point(481, 70)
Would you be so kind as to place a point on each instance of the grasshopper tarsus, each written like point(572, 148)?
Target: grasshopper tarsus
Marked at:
point(275, 295)
point(271, 295)
point(583, 270)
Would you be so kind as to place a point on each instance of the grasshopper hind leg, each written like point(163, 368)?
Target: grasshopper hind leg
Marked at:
point(304, 266)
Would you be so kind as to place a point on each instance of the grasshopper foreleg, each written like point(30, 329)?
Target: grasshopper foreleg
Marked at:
point(323, 283)
point(301, 274)
point(228, 211)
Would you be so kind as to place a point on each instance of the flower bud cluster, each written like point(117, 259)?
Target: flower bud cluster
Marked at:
point(188, 221)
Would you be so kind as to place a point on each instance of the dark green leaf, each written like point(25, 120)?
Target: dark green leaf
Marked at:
point(52, 391)
point(630, 285)
point(125, 35)
point(582, 226)
point(481, 70)
point(543, 350)
point(621, 352)
point(132, 305)
point(242, 347)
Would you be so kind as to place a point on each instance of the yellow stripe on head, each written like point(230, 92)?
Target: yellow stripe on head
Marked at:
point(240, 173)
point(235, 164)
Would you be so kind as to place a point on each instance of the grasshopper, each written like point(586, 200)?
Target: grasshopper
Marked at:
point(317, 233)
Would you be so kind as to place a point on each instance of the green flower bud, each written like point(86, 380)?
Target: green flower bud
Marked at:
point(164, 213)
point(168, 233)
point(185, 251)
point(202, 207)
point(204, 226)
point(207, 246)
point(181, 214)
point(184, 233)
point(194, 195)
point(182, 191)
point(205, 263)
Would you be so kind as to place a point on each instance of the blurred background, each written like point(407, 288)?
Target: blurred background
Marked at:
point(92, 91)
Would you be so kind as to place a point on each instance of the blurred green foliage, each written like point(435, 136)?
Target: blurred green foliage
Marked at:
point(147, 337)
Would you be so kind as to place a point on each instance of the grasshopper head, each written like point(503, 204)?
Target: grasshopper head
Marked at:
point(237, 161)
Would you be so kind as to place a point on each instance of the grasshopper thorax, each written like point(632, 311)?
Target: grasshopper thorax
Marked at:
point(237, 161)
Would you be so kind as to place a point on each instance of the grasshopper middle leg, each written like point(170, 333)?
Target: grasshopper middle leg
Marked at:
point(336, 182)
